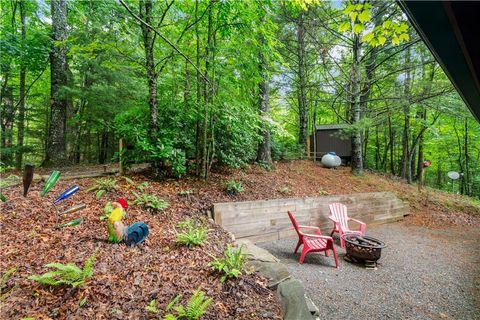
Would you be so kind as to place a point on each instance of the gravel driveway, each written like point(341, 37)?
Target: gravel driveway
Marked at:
point(423, 274)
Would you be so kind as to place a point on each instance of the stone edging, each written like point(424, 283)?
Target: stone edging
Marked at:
point(290, 292)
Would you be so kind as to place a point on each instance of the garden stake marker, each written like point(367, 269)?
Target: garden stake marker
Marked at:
point(50, 182)
point(27, 178)
point(72, 223)
point(66, 194)
point(76, 208)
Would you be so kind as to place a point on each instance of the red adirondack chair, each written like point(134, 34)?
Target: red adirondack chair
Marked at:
point(312, 242)
point(340, 221)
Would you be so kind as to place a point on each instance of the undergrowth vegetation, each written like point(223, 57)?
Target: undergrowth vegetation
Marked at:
point(103, 186)
point(66, 274)
point(194, 309)
point(150, 202)
point(232, 263)
point(192, 234)
point(234, 187)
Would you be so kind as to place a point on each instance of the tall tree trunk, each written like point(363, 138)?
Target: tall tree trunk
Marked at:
point(357, 158)
point(466, 175)
point(302, 82)
point(56, 152)
point(263, 151)
point(377, 148)
point(206, 97)
point(420, 146)
point(392, 145)
point(146, 8)
point(406, 115)
point(198, 96)
point(21, 104)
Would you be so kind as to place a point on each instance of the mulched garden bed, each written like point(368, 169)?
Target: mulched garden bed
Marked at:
point(125, 279)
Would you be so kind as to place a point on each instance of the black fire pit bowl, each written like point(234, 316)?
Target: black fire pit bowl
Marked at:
point(363, 248)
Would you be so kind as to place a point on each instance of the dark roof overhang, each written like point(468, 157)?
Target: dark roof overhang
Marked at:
point(451, 31)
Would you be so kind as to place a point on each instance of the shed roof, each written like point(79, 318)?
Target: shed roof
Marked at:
point(331, 126)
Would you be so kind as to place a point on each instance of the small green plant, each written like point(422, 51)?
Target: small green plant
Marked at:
point(102, 186)
point(231, 264)
point(234, 187)
point(83, 302)
point(150, 202)
point(4, 280)
point(106, 211)
point(185, 193)
point(67, 274)
point(265, 165)
point(284, 190)
point(196, 307)
point(192, 235)
point(152, 307)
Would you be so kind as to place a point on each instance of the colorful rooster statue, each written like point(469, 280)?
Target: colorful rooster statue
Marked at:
point(131, 235)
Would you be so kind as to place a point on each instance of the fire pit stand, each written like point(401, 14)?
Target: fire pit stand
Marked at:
point(363, 249)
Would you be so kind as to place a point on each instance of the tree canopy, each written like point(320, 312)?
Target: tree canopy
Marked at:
point(193, 84)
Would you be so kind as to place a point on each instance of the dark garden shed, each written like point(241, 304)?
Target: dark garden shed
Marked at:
point(328, 138)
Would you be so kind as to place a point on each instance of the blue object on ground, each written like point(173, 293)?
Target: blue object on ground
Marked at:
point(136, 233)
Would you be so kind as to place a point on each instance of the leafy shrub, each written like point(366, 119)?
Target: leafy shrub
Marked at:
point(68, 274)
point(165, 159)
point(233, 187)
point(194, 310)
point(231, 264)
point(102, 186)
point(286, 149)
point(193, 235)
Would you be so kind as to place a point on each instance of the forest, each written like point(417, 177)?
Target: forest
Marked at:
point(191, 85)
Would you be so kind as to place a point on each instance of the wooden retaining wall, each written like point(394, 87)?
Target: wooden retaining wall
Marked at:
point(267, 220)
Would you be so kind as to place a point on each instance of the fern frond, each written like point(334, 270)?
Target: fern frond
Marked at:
point(67, 268)
point(88, 266)
point(173, 302)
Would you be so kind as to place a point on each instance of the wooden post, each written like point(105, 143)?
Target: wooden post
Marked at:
point(420, 180)
point(120, 150)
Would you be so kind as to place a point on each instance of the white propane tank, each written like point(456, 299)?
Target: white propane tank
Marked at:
point(331, 160)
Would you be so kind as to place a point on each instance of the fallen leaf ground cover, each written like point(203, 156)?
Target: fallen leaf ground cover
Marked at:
point(126, 280)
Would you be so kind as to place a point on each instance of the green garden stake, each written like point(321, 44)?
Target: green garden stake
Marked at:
point(50, 182)
point(75, 208)
point(72, 223)
point(2, 197)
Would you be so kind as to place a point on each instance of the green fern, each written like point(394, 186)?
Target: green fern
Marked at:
point(66, 274)
point(152, 306)
point(234, 187)
point(192, 235)
point(231, 264)
point(196, 307)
